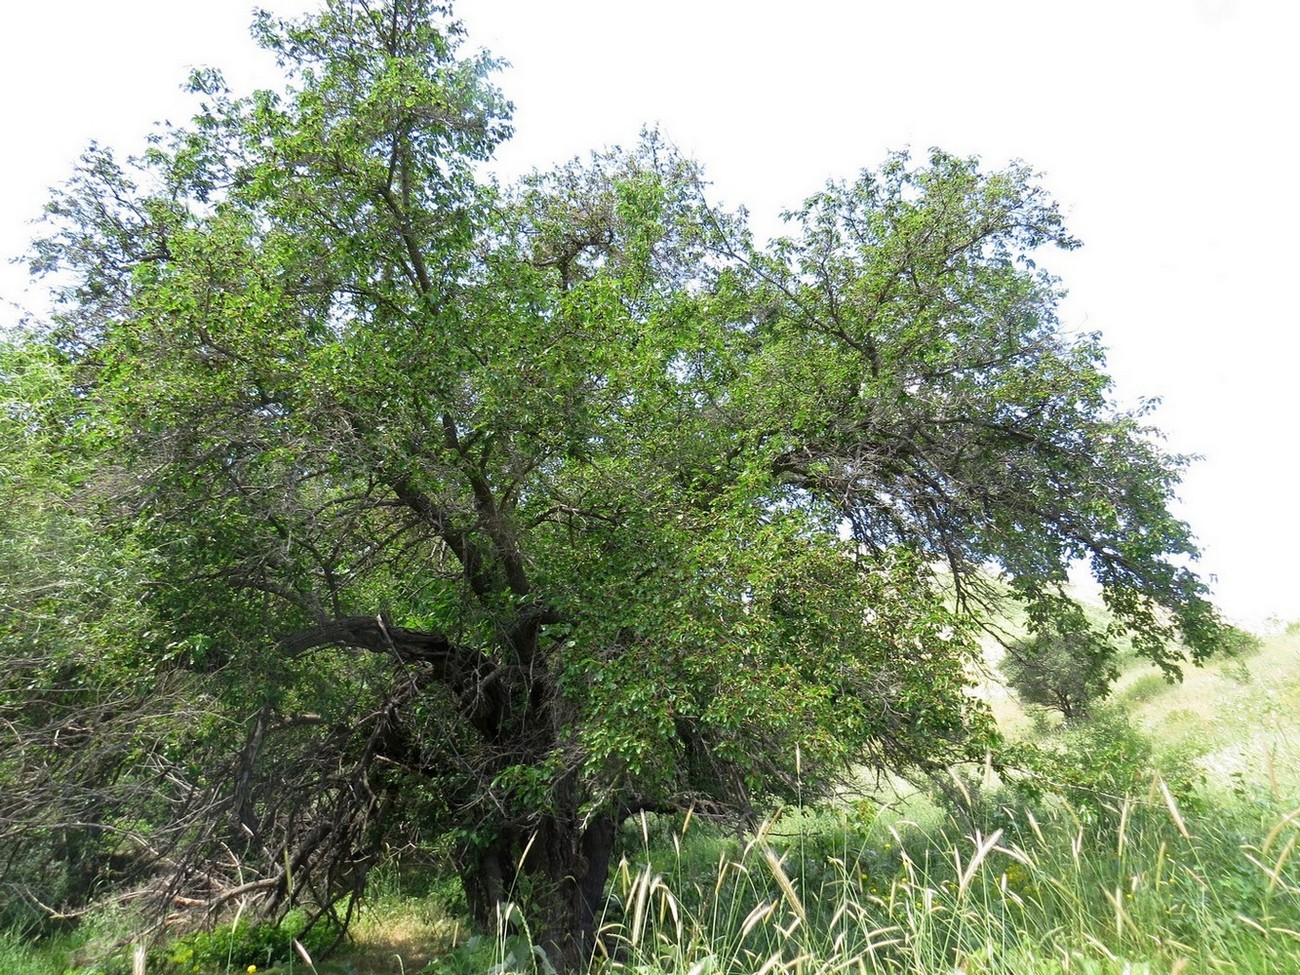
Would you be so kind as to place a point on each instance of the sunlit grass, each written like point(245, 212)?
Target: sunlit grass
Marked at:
point(1141, 887)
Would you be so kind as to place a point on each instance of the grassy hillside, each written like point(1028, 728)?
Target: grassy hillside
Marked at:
point(1239, 717)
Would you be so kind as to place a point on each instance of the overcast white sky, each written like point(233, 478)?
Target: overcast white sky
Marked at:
point(1167, 128)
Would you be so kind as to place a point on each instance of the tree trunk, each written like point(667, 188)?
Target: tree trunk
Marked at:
point(563, 899)
point(569, 866)
point(487, 875)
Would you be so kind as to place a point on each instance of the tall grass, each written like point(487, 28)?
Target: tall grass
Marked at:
point(19, 956)
point(1141, 886)
point(1139, 875)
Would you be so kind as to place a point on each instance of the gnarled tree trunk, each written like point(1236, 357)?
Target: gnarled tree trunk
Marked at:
point(568, 863)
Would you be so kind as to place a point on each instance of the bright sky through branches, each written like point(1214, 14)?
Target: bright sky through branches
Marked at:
point(1165, 128)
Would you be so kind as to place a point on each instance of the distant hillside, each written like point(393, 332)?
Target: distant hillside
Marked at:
point(1240, 717)
point(1237, 717)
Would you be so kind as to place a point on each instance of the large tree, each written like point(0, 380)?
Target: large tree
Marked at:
point(501, 514)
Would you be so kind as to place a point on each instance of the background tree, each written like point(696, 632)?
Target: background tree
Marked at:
point(501, 514)
point(1063, 672)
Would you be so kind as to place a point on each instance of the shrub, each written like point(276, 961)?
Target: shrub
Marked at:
point(242, 944)
point(1236, 642)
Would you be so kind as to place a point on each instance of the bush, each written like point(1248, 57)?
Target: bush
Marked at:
point(1236, 642)
point(242, 944)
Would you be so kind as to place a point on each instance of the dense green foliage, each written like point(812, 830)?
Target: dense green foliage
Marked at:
point(495, 515)
point(86, 694)
point(241, 944)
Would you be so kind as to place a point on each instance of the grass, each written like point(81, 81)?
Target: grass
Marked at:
point(21, 957)
point(1140, 887)
point(1238, 715)
point(1168, 877)
point(395, 934)
point(1235, 716)
point(399, 931)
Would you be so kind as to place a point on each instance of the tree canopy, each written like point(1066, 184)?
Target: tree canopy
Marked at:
point(492, 515)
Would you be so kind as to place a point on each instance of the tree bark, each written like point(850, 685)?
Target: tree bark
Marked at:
point(569, 865)
point(487, 876)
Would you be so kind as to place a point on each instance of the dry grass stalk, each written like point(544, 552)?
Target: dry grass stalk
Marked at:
point(783, 881)
point(982, 849)
point(1122, 838)
point(1277, 830)
point(1173, 811)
